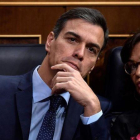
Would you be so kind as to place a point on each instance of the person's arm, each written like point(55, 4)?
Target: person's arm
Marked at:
point(100, 129)
point(70, 80)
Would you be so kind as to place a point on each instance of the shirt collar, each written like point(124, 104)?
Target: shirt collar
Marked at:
point(41, 90)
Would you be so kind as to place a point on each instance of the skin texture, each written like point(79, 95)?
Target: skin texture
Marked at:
point(135, 56)
point(70, 58)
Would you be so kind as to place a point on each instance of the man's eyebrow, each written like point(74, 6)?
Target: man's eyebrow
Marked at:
point(72, 33)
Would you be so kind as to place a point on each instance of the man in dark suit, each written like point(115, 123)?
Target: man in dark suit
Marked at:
point(73, 47)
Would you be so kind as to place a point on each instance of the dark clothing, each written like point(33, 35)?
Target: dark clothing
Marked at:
point(16, 110)
point(127, 124)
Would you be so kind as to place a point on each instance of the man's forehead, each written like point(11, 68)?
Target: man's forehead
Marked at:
point(72, 22)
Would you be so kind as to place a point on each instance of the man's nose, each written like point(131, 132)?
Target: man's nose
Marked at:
point(79, 52)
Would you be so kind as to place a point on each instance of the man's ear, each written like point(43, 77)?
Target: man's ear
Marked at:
point(91, 69)
point(98, 58)
point(50, 39)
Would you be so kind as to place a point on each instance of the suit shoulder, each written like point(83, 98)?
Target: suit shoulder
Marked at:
point(8, 83)
point(9, 80)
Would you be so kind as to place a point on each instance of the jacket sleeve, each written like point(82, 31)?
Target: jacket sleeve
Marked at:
point(99, 130)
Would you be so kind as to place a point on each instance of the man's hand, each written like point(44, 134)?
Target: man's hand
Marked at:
point(70, 80)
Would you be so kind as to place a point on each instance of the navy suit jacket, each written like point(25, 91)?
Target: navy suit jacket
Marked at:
point(16, 111)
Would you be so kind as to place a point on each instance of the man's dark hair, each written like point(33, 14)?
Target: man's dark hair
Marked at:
point(129, 46)
point(90, 15)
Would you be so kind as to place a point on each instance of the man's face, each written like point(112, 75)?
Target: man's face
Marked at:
point(77, 45)
point(135, 57)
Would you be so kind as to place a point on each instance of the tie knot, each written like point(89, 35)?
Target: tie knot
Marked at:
point(55, 102)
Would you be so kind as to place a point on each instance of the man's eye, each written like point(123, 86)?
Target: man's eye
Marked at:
point(92, 50)
point(72, 39)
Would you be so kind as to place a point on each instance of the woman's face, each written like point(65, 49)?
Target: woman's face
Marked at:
point(135, 57)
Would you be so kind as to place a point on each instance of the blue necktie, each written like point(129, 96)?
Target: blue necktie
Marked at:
point(46, 131)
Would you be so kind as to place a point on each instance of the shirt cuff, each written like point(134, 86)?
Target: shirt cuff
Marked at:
point(91, 119)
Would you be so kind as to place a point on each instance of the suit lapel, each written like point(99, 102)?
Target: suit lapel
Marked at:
point(72, 119)
point(24, 104)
